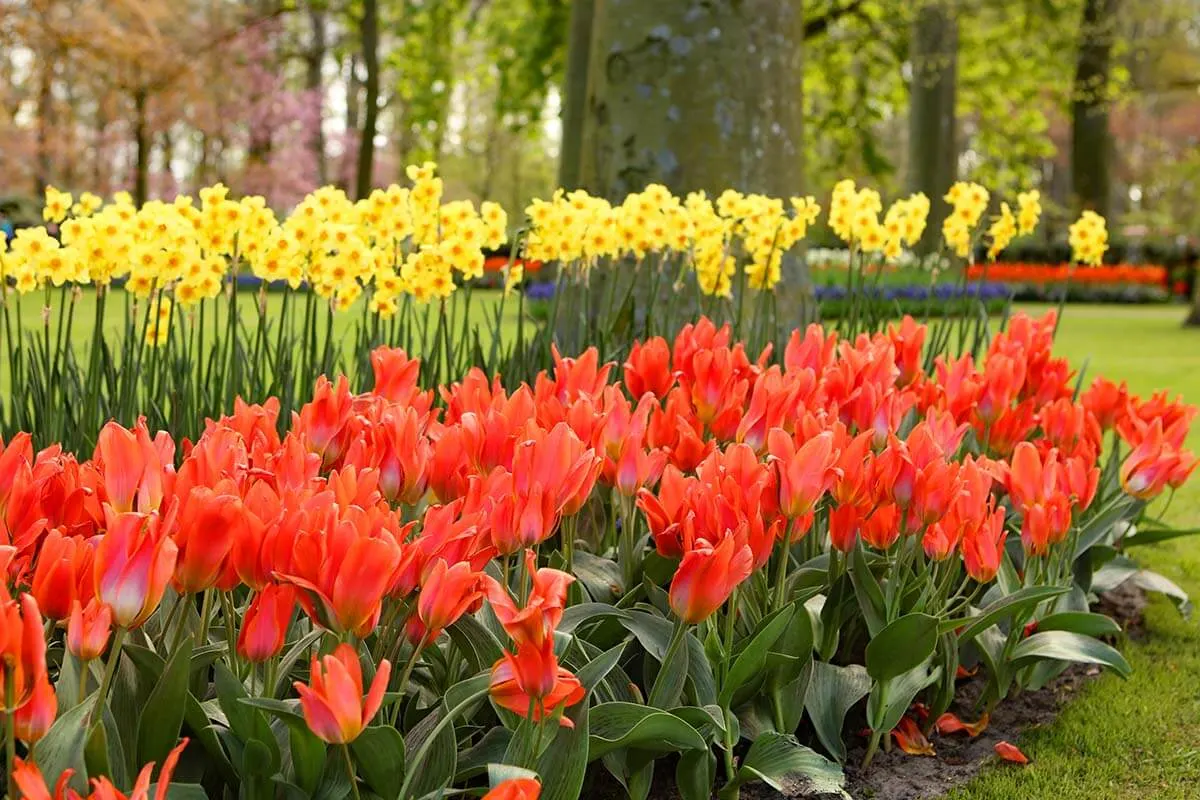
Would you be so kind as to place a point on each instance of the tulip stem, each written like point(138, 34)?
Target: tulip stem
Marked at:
point(781, 571)
point(110, 669)
point(10, 728)
point(205, 610)
point(350, 771)
point(404, 676)
point(84, 667)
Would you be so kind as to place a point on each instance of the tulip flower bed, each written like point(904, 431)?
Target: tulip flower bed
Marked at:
point(708, 562)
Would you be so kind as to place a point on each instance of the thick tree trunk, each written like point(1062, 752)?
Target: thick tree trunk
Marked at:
point(586, 19)
point(933, 151)
point(315, 84)
point(1090, 140)
point(698, 95)
point(45, 122)
point(142, 145)
point(370, 53)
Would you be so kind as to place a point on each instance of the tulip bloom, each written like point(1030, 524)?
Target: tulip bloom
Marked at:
point(22, 650)
point(446, 594)
point(333, 704)
point(32, 784)
point(845, 524)
point(983, 547)
point(707, 576)
point(88, 629)
point(135, 467)
point(648, 369)
point(543, 610)
point(532, 679)
point(265, 626)
point(805, 473)
point(34, 719)
point(1153, 464)
point(60, 564)
point(209, 523)
point(515, 789)
point(133, 563)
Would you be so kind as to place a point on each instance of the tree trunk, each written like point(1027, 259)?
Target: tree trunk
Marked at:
point(370, 53)
point(680, 101)
point(1090, 140)
point(933, 151)
point(45, 121)
point(586, 16)
point(142, 144)
point(313, 82)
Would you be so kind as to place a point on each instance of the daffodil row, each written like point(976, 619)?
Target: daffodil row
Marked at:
point(406, 241)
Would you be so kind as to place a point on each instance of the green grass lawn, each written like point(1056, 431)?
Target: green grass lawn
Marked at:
point(1138, 738)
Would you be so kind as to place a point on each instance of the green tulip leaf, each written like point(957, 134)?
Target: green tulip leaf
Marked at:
point(901, 646)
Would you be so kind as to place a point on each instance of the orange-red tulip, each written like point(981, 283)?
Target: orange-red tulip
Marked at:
point(648, 369)
point(265, 625)
point(707, 576)
point(845, 525)
point(515, 789)
point(532, 679)
point(60, 565)
point(209, 523)
point(983, 547)
point(543, 610)
point(1153, 464)
point(88, 629)
point(22, 650)
point(447, 593)
point(33, 785)
point(333, 702)
point(805, 474)
point(133, 563)
point(135, 467)
point(34, 719)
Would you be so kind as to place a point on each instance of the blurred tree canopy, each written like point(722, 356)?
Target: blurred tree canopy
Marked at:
point(1096, 102)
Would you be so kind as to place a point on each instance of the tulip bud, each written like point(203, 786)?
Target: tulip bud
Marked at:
point(87, 630)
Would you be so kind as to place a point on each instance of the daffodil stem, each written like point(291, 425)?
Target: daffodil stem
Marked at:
point(350, 773)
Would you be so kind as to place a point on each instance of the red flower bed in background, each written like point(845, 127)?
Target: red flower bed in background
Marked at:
point(1110, 275)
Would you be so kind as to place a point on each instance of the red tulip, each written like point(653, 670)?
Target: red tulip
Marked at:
point(133, 563)
point(707, 576)
point(60, 566)
point(882, 528)
point(648, 369)
point(88, 629)
point(845, 524)
point(134, 467)
point(333, 702)
point(323, 420)
point(515, 789)
point(34, 719)
point(446, 594)
point(396, 374)
point(265, 625)
point(543, 609)
point(209, 523)
point(1153, 464)
point(983, 547)
point(532, 679)
point(805, 473)
point(22, 650)
point(33, 785)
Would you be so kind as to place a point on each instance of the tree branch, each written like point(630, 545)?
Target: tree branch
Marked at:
point(819, 25)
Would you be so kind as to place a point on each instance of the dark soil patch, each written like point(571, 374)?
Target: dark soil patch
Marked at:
point(897, 776)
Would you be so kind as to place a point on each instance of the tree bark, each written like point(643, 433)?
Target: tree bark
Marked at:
point(577, 88)
point(1090, 139)
point(370, 54)
point(45, 121)
point(315, 84)
point(932, 146)
point(697, 95)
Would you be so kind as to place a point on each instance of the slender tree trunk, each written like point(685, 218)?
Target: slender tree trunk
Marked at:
point(1090, 140)
point(933, 151)
point(315, 84)
point(142, 145)
point(577, 88)
point(168, 157)
point(45, 122)
point(370, 53)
